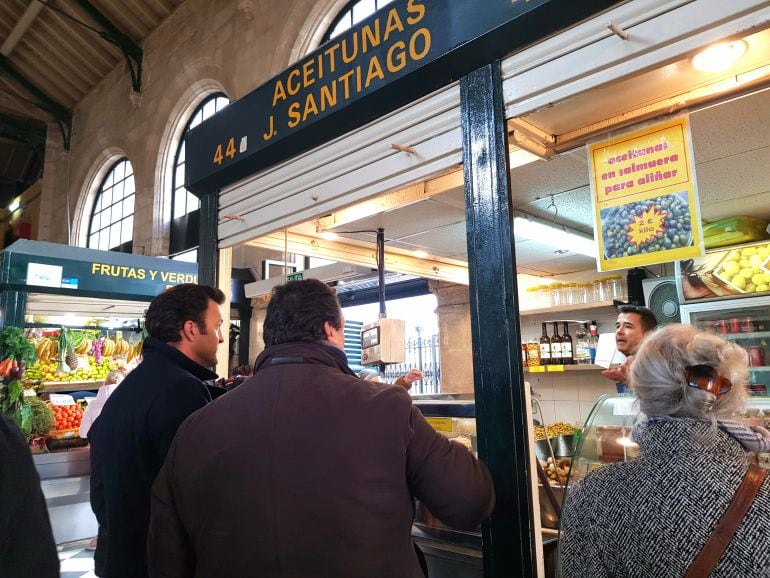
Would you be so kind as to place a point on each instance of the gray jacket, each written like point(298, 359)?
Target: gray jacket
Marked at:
point(651, 516)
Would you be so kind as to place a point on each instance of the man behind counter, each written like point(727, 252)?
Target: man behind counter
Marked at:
point(632, 326)
point(317, 468)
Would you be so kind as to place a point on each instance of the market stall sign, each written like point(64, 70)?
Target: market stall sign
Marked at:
point(645, 197)
point(39, 267)
point(401, 53)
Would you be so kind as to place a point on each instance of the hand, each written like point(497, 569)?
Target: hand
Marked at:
point(619, 374)
point(412, 376)
point(406, 381)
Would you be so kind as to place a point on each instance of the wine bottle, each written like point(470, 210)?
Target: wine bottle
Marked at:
point(556, 353)
point(545, 347)
point(566, 346)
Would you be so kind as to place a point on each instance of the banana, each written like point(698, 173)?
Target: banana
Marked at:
point(108, 347)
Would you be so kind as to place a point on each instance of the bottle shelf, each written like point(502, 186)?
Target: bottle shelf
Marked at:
point(747, 335)
point(568, 309)
point(562, 368)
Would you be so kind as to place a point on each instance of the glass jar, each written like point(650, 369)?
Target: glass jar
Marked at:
point(600, 289)
point(557, 294)
point(571, 293)
point(615, 288)
point(544, 296)
point(531, 298)
point(584, 293)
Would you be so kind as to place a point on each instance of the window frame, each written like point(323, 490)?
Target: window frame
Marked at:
point(123, 246)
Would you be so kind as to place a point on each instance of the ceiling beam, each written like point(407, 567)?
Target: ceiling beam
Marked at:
point(131, 50)
point(44, 102)
point(26, 20)
point(22, 130)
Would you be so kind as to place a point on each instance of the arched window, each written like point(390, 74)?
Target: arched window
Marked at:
point(185, 227)
point(111, 227)
point(352, 14)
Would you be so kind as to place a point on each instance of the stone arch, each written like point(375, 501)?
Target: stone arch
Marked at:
point(314, 27)
point(189, 92)
point(91, 184)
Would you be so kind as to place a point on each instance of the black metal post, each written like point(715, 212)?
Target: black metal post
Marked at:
point(509, 541)
point(207, 248)
point(381, 277)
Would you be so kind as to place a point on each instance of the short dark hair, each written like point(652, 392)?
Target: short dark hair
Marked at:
point(298, 310)
point(649, 321)
point(170, 310)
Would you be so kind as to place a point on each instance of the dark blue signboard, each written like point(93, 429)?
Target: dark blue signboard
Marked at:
point(38, 267)
point(404, 51)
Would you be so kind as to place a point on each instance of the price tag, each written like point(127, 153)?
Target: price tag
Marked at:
point(555, 368)
point(61, 399)
point(537, 368)
point(441, 423)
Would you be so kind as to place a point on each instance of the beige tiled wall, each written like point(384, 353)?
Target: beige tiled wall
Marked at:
point(569, 396)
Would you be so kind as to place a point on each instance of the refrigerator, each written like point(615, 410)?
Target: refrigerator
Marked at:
point(745, 321)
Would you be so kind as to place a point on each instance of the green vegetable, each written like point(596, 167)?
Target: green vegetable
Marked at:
point(41, 419)
point(15, 345)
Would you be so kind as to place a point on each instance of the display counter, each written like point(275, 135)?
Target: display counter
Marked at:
point(65, 481)
point(454, 553)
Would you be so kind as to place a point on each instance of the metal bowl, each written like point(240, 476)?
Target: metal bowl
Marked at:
point(563, 447)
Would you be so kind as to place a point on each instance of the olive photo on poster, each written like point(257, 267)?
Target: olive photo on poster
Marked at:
point(647, 226)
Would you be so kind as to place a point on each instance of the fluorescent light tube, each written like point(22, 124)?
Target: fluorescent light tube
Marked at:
point(556, 236)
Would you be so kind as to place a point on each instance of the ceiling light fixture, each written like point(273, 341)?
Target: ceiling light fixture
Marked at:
point(719, 57)
point(15, 204)
point(553, 235)
point(420, 254)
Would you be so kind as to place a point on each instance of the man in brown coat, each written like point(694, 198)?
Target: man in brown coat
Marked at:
point(305, 469)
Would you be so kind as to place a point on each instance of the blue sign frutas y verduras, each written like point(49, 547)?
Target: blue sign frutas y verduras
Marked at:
point(404, 51)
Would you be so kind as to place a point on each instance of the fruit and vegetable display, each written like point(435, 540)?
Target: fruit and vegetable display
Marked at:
point(647, 226)
point(67, 417)
point(77, 356)
point(739, 270)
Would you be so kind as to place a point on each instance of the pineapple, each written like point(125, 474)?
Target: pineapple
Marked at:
point(71, 359)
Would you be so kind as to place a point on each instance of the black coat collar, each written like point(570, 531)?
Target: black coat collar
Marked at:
point(154, 348)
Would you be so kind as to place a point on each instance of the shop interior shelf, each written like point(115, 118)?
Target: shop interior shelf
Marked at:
point(566, 309)
point(747, 335)
point(561, 368)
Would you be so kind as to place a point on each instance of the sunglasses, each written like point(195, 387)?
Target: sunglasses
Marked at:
point(706, 378)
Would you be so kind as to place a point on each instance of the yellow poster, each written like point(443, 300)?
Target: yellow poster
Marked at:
point(645, 197)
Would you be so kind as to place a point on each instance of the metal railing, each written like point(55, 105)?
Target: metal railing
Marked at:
point(422, 353)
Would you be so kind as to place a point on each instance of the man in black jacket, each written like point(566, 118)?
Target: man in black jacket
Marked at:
point(130, 438)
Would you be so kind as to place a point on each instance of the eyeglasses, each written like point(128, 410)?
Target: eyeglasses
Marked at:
point(706, 378)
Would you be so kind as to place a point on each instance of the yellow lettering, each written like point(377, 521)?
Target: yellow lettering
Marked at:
point(394, 24)
point(94, 268)
point(396, 60)
point(375, 71)
point(270, 130)
point(330, 53)
point(164, 276)
point(425, 33)
point(414, 7)
point(293, 73)
point(310, 107)
point(369, 38)
point(328, 96)
point(280, 92)
point(153, 275)
point(358, 79)
point(131, 273)
point(320, 66)
point(345, 78)
point(307, 74)
point(294, 115)
point(347, 59)
point(140, 274)
point(218, 155)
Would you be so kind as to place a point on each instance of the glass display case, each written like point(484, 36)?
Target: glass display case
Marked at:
point(746, 322)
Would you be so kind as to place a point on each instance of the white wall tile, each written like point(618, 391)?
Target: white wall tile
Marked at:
point(567, 411)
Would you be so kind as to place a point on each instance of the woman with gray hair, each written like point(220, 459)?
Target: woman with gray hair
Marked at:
point(652, 516)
